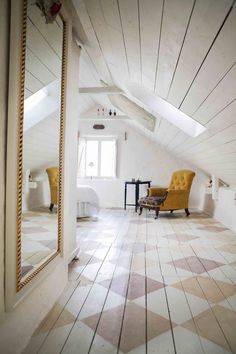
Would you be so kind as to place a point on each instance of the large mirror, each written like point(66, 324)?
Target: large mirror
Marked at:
point(40, 142)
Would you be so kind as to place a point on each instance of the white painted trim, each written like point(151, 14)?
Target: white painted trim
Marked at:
point(108, 90)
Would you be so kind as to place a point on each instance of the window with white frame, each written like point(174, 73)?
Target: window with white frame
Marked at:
point(97, 157)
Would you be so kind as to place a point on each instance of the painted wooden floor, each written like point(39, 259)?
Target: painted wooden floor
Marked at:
point(146, 286)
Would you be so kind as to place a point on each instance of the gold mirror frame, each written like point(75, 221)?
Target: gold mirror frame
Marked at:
point(20, 284)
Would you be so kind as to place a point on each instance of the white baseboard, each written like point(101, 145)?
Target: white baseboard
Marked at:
point(73, 255)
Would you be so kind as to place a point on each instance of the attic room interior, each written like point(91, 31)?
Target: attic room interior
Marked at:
point(118, 176)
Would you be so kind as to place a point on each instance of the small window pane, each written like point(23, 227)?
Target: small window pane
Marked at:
point(92, 158)
point(108, 158)
point(81, 158)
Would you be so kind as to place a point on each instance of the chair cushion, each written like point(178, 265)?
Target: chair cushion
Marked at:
point(152, 201)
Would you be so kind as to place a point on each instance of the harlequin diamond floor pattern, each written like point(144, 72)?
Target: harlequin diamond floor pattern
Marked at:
point(132, 285)
point(196, 264)
point(146, 286)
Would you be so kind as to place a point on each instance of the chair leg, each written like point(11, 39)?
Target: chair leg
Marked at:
point(51, 206)
point(157, 213)
point(140, 211)
point(187, 212)
point(171, 211)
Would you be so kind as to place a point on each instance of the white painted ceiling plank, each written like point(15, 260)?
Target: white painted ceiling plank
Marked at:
point(209, 151)
point(52, 33)
point(43, 51)
point(169, 135)
point(219, 98)
point(31, 83)
point(99, 26)
point(86, 73)
point(229, 157)
point(223, 120)
point(38, 69)
point(130, 23)
point(176, 141)
point(118, 64)
point(162, 130)
point(220, 138)
point(92, 46)
point(208, 16)
point(27, 93)
point(175, 20)
point(150, 24)
point(220, 59)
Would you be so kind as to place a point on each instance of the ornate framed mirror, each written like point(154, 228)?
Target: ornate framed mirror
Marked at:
point(40, 143)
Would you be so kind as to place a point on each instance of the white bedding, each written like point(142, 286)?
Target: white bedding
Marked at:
point(87, 201)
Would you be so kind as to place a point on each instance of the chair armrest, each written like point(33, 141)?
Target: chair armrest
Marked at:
point(156, 191)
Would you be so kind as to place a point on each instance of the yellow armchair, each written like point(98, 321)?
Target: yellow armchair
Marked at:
point(53, 177)
point(178, 191)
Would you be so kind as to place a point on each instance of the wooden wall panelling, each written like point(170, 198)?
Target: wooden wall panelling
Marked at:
point(150, 16)
point(119, 61)
point(130, 23)
point(92, 45)
point(43, 51)
point(207, 18)
point(174, 26)
point(219, 60)
point(38, 69)
point(52, 34)
point(222, 96)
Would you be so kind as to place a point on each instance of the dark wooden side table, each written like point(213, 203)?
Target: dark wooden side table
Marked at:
point(137, 184)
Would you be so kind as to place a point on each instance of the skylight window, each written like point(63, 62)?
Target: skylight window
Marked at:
point(167, 111)
point(35, 99)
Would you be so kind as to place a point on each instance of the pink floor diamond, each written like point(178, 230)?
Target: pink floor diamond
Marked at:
point(196, 264)
point(136, 285)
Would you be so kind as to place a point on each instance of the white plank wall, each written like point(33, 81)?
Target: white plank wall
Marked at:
point(213, 70)
point(131, 26)
point(93, 48)
point(150, 25)
point(208, 16)
point(176, 15)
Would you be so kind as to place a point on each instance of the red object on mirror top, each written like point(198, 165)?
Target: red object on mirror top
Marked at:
point(55, 8)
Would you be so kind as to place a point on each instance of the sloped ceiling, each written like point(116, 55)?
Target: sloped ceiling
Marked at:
point(182, 50)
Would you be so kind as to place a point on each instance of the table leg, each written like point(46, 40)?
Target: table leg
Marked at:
point(125, 196)
point(157, 212)
point(136, 196)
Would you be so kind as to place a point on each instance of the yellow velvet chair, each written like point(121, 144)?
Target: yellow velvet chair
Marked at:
point(178, 191)
point(53, 177)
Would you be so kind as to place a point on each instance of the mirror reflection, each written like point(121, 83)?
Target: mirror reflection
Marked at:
point(41, 137)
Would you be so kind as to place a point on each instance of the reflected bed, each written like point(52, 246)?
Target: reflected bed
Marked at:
point(87, 201)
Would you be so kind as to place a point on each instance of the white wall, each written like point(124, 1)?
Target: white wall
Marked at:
point(224, 208)
point(138, 157)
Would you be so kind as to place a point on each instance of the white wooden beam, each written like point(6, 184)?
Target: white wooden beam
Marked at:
point(108, 90)
point(102, 118)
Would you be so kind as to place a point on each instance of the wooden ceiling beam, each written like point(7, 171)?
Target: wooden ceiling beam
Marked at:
point(108, 90)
